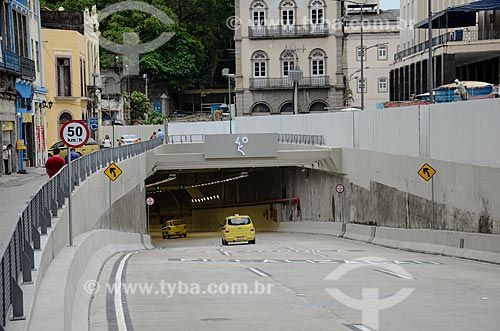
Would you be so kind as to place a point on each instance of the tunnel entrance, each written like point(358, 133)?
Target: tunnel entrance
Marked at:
point(203, 198)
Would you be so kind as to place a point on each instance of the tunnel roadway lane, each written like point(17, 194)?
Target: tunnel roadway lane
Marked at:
point(293, 282)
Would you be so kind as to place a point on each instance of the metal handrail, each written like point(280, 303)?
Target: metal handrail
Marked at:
point(18, 254)
point(303, 139)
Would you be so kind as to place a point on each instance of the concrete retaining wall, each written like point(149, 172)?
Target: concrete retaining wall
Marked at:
point(62, 288)
point(475, 246)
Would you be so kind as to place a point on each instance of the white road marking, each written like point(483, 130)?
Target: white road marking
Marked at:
point(394, 274)
point(120, 315)
point(259, 272)
point(318, 254)
point(361, 327)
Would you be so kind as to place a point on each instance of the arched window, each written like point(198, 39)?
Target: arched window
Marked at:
point(259, 69)
point(317, 59)
point(287, 107)
point(288, 16)
point(259, 14)
point(287, 62)
point(317, 106)
point(63, 118)
point(261, 108)
point(259, 60)
point(317, 12)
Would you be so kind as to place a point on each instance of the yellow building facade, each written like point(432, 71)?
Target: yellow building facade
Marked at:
point(71, 62)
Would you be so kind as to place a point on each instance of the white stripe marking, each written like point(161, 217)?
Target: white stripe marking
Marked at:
point(361, 327)
point(259, 272)
point(394, 274)
point(120, 315)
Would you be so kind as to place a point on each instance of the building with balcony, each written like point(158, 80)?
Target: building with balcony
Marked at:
point(19, 64)
point(278, 37)
point(465, 45)
point(381, 39)
point(72, 70)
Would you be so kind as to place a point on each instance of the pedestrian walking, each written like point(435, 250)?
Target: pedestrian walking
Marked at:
point(74, 155)
point(153, 136)
point(54, 163)
point(106, 142)
point(461, 90)
point(7, 155)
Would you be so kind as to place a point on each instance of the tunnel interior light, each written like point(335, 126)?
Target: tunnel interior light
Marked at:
point(205, 199)
point(169, 179)
point(220, 181)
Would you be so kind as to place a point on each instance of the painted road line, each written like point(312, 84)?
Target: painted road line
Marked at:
point(318, 254)
point(120, 316)
point(358, 327)
point(394, 274)
point(259, 272)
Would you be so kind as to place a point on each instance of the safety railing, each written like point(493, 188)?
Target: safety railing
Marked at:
point(302, 139)
point(186, 138)
point(18, 252)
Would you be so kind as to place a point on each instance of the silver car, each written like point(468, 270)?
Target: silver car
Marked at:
point(128, 139)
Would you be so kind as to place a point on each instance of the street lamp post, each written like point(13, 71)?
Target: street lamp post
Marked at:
point(362, 51)
point(430, 75)
point(225, 73)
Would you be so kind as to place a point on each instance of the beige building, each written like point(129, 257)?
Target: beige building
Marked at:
point(381, 40)
point(466, 46)
point(72, 72)
point(277, 37)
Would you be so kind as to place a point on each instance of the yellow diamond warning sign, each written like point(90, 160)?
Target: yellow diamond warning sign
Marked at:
point(113, 172)
point(426, 172)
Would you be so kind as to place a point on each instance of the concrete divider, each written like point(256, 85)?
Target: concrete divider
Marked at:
point(360, 232)
point(64, 288)
point(328, 228)
point(475, 246)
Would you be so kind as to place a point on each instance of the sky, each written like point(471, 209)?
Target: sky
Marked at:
point(389, 4)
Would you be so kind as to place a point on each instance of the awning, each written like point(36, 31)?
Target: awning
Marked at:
point(460, 16)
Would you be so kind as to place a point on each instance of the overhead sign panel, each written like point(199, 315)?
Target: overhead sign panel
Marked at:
point(232, 146)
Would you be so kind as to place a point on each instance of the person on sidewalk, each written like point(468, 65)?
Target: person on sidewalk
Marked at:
point(74, 155)
point(54, 163)
point(106, 142)
point(7, 155)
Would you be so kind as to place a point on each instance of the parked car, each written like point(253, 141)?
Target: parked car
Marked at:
point(89, 147)
point(237, 228)
point(128, 139)
point(174, 228)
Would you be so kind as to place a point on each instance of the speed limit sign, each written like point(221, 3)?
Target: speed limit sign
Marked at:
point(150, 201)
point(74, 133)
point(340, 188)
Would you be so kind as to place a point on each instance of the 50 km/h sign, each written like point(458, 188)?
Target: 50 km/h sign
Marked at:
point(74, 134)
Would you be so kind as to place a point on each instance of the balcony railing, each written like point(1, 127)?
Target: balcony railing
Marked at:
point(19, 64)
point(455, 36)
point(11, 61)
point(28, 70)
point(286, 83)
point(288, 31)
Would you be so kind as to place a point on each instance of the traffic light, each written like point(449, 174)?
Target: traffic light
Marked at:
point(158, 188)
point(182, 186)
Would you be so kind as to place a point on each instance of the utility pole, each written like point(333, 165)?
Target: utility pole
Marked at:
point(430, 74)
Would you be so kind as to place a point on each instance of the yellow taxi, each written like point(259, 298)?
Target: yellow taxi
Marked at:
point(174, 228)
point(238, 228)
point(89, 147)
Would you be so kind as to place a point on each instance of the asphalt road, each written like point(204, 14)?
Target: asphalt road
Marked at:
point(281, 283)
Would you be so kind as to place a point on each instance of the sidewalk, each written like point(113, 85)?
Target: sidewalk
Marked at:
point(15, 190)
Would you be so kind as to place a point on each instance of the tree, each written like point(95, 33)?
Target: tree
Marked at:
point(139, 106)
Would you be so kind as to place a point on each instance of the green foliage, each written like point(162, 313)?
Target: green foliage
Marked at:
point(190, 58)
point(139, 106)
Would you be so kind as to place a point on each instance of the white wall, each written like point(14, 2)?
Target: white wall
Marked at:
point(465, 132)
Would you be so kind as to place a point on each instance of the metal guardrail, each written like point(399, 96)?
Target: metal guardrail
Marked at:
point(18, 252)
point(455, 36)
point(282, 138)
point(186, 139)
point(286, 83)
point(288, 31)
point(302, 139)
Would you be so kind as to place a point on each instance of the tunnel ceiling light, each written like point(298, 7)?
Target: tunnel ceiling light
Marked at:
point(243, 175)
point(162, 181)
